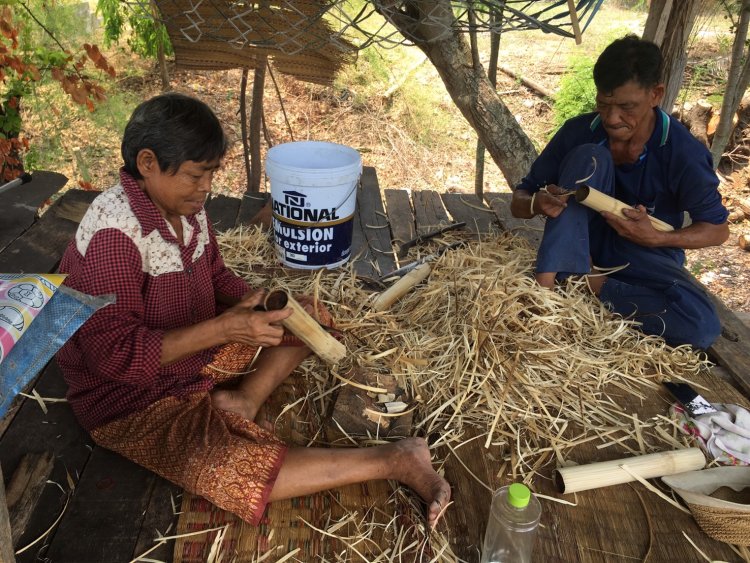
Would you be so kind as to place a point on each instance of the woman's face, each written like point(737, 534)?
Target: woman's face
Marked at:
point(181, 193)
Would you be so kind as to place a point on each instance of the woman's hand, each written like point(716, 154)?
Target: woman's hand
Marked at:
point(243, 323)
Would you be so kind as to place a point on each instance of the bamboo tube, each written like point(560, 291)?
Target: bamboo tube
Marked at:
point(401, 287)
point(598, 201)
point(606, 473)
point(306, 328)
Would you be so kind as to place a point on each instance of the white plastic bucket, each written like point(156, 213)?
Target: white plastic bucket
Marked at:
point(314, 194)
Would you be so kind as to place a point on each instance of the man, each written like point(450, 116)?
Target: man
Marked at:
point(632, 150)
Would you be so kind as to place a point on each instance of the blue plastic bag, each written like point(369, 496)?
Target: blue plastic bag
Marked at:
point(64, 314)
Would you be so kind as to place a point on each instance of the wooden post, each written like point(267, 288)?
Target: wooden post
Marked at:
point(598, 201)
point(574, 21)
point(6, 543)
point(306, 328)
point(606, 473)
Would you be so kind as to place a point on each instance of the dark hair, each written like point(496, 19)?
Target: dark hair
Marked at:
point(177, 128)
point(626, 59)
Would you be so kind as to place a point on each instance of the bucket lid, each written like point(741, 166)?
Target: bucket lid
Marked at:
point(314, 157)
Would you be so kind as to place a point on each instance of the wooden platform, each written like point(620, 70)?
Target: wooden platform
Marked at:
point(115, 507)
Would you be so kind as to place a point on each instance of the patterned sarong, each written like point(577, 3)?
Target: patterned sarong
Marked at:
point(219, 455)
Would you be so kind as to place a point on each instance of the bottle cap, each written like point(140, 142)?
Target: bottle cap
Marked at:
point(519, 495)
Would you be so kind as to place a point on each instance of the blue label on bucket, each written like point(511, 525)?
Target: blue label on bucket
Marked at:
point(309, 237)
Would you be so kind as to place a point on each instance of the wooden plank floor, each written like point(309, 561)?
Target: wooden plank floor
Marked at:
point(116, 507)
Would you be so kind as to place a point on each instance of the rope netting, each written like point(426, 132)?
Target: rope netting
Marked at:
point(311, 39)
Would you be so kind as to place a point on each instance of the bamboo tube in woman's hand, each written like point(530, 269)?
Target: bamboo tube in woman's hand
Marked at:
point(306, 328)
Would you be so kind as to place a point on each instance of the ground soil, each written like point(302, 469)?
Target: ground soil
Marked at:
point(376, 129)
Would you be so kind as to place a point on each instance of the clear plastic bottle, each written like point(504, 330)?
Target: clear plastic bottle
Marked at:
point(511, 529)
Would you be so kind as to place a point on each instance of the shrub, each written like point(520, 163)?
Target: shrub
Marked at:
point(577, 93)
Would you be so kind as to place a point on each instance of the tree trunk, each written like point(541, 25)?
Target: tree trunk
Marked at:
point(429, 24)
point(256, 123)
point(164, 73)
point(243, 128)
point(737, 82)
point(674, 48)
point(696, 118)
point(160, 55)
point(656, 22)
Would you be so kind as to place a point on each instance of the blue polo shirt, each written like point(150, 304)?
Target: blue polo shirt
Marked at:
point(674, 173)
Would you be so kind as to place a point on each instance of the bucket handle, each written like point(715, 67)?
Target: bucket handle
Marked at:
point(355, 185)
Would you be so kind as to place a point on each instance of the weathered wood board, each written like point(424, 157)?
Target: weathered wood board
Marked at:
point(429, 212)
point(42, 245)
point(469, 209)
point(20, 204)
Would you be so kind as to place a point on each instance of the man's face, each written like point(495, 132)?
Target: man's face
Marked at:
point(626, 111)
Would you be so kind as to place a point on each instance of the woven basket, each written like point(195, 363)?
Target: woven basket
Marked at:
point(723, 524)
point(720, 519)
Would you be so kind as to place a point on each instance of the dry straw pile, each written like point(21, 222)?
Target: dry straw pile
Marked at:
point(485, 354)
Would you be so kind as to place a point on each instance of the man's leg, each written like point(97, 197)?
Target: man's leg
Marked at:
point(661, 295)
point(565, 246)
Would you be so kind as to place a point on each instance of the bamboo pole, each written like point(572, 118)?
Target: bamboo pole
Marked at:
point(383, 301)
point(306, 328)
point(606, 473)
point(599, 201)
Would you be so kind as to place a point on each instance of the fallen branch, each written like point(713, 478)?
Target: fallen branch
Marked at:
point(538, 88)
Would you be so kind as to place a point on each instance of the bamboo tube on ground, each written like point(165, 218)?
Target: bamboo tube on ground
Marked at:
point(599, 201)
point(606, 473)
point(306, 328)
point(401, 287)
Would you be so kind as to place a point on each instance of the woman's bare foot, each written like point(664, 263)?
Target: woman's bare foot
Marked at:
point(234, 400)
point(413, 467)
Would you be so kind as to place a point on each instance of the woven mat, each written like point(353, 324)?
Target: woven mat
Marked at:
point(283, 530)
point(294, 526)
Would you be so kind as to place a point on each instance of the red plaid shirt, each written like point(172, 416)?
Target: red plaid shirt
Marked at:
point(125, 247)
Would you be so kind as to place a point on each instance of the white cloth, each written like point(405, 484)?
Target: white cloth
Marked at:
point(724, 435)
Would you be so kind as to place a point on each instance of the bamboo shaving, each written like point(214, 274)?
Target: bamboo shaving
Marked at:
point(700, 552)
point(535, 372)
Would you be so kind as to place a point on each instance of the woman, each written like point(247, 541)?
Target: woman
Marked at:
point(142, 371)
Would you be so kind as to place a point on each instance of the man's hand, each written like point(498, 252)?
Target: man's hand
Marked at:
point(243, 323)
point(637, 227)
point(551, 200)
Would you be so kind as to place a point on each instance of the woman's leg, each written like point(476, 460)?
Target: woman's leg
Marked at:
point(310, 470)
point(271, 368)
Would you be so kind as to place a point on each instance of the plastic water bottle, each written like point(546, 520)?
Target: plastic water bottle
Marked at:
point(511, 530)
